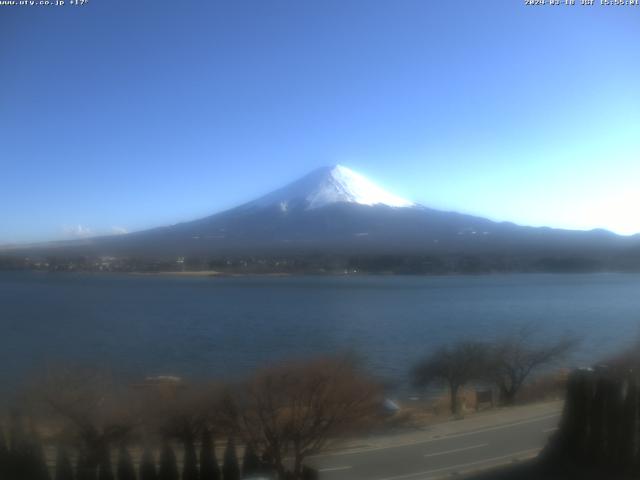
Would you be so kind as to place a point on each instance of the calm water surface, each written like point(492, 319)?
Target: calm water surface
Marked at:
point(228, 326)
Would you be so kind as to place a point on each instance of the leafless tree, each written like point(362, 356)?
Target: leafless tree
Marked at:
point(515, 357)
point(89, 406)
point(180, 411)
point(294, 410)
point(453, 366)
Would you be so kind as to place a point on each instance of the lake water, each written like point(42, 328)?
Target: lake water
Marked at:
point(221, 327)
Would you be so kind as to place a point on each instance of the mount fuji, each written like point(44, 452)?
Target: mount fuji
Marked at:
point(336, 211)
point(327, 185)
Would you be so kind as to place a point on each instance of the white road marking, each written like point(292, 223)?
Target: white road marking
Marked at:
point(460, 466)
point(457, 450)
point(446, 437)
point(333, 469)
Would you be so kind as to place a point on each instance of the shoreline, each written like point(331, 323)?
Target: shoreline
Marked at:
point(215, 273)
point(208, 273)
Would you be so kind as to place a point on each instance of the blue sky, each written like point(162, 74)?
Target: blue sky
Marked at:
point(123, 115)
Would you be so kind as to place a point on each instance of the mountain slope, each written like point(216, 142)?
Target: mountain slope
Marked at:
point(334, 210)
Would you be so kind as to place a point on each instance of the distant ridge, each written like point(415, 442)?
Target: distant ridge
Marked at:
point(334, 211)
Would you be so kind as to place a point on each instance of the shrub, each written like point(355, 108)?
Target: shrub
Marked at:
point(209, 469)
point(148, 466)
point(230, 467)
point(86, 468)
point(4, 455)
point(168, 464)
point(105, 470)
point(309, 473)
point(125, 465)
point(64, 470)
point(250, 462)
point(190, 461)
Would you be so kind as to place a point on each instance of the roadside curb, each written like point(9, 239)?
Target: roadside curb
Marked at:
point(430, 436)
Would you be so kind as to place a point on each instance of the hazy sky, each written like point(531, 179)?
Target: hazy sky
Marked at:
point(120, 115)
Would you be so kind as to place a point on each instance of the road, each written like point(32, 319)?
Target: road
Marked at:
point(480, 444)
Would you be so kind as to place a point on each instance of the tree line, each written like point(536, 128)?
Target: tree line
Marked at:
point(280, 416)
point(505, 363)
point(23, 458)
point(434, 263)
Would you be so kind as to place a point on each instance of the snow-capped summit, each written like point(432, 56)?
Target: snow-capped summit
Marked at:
point(327, 185)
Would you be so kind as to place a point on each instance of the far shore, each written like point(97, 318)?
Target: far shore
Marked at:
point(209, 273)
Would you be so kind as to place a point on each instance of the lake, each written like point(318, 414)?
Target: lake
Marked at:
point(223, 327)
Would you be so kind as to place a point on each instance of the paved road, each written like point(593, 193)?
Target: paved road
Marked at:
point(493, 443)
